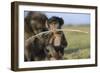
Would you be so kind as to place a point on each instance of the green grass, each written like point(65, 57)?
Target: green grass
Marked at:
point(78, 43)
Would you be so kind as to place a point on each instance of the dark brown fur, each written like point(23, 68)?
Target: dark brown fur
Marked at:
point(35, 22)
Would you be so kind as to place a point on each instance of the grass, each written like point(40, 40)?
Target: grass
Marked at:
point(78, 43)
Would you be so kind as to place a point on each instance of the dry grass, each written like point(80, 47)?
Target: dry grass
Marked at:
point(78, 43)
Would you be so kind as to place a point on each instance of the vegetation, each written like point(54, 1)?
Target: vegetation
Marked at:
point(78, 43)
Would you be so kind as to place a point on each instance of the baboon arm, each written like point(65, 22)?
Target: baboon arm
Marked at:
point(64, 42)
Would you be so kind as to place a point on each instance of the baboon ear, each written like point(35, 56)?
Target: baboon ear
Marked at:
point(61, 21)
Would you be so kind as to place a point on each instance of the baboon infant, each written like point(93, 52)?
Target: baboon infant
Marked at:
point(57, 40)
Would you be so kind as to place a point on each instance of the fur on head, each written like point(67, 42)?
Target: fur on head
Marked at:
point(56, 20)
point(35, 22)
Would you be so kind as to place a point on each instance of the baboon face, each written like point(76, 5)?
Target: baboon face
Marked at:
point(36, 22)
point(55, 23)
